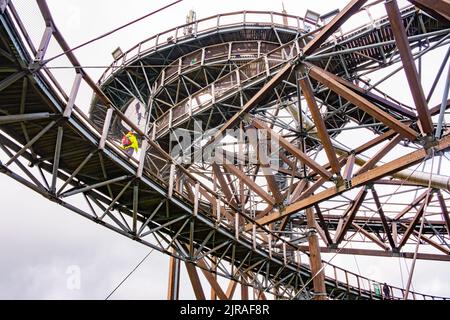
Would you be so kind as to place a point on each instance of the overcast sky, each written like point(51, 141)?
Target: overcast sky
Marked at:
point(41, 242)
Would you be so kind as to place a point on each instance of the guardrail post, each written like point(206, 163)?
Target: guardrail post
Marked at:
point(171, 180)
point(142, 159)
point(73, 95)
point(44, 43)
point(106, 125)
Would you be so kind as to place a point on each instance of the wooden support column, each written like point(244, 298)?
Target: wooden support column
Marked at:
point(415, 220)
point(314, 257)
point(386, 169)
point(293, 150)
point(444, 209)
point(195, 281)
point(173, 291)
point(231, 289)
point(350, 214)
point(212, 280)
point(244, 289)
point(362, 103)
point(320, 125)
point(383, 218)
point(401, 39)
point(250, 183)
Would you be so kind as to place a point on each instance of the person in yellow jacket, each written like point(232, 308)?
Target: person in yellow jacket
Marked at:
point(130, 143)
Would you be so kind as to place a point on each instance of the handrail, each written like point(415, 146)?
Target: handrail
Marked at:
point(176, 37)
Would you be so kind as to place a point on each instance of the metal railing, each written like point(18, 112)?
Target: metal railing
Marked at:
point(205, 25)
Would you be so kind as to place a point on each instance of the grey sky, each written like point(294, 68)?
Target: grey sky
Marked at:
point(40, 240)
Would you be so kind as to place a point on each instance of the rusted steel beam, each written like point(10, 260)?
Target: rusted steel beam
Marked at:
point(324, 77)
point(349, 215)
point(383, 217)
point(293, 150)
point(250, 183)
point(401, 39)
point(415, 220)
point(320, 125)
point(358, 181)
point(334, 25)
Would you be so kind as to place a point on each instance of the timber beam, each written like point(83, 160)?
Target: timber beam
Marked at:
point(358, 181)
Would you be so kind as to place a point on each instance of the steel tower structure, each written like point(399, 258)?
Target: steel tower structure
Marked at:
point(301, 81)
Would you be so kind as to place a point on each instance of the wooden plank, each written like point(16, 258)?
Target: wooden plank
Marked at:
point(231, 289)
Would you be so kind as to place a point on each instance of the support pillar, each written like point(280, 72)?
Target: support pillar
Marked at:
point(315, 259)
point(173, 289)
